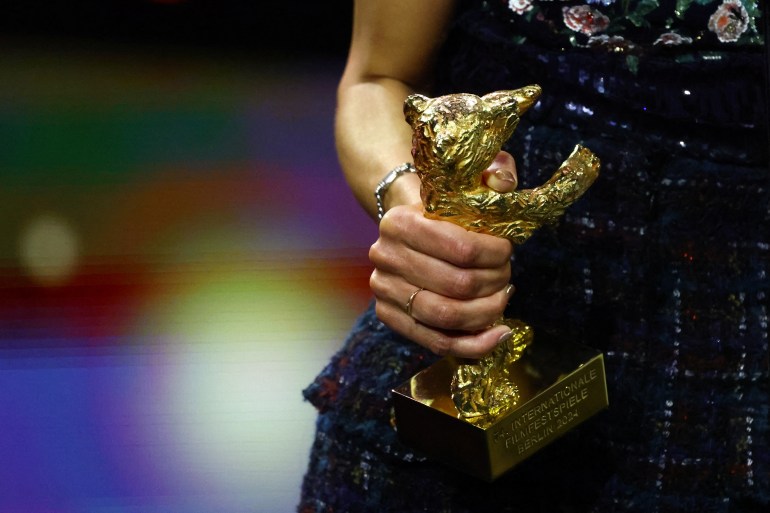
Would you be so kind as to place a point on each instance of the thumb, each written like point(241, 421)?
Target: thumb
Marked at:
point(501, 173)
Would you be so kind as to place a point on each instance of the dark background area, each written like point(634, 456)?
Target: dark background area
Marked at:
point(268, 27)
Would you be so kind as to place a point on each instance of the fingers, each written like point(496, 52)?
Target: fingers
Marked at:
point(437, 275)
point(501, 173)
point(450, 314)
point(461, 344)
point(407, 227)
point(454, 282)
point(436, 310)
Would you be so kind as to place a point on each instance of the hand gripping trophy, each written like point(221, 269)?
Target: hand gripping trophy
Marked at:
point(456, 137)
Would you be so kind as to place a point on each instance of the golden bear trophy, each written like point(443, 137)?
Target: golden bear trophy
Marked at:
point(485, 416)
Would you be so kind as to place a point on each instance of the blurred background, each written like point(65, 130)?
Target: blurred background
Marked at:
point(179, 254)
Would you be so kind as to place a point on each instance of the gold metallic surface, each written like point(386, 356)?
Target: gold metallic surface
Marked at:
point(483, 389)
point(561, 384)
point(455, 138)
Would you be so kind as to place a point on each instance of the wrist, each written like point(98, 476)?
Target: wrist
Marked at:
point(399, 186)
point(404, 191)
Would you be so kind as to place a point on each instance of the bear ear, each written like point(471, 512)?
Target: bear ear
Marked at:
point(413, 107)
point(514, 101)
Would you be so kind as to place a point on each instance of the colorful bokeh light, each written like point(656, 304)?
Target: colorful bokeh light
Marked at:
point(179, 256)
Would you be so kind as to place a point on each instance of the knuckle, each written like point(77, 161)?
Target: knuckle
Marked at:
point(448, 316)
point(465, 252)
point(394, 220)
point(388, 219)
point(465, 285)
point(375, 251)
point(383, 255)
point(374, 283)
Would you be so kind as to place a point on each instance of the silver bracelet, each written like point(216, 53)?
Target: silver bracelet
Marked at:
point(385, 183)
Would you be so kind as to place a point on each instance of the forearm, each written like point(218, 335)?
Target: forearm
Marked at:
point(372, 138)
point(393, 48)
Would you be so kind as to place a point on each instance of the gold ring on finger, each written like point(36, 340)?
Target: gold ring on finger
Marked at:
point(410, 302)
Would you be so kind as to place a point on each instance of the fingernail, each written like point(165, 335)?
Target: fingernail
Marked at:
point(505, 175)
point(501, 180)
point(505, 337)
point(509, 289)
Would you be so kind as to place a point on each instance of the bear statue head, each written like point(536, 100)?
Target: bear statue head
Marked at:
point(457, 136)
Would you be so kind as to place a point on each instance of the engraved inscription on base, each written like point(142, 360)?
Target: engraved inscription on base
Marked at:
point(560, 388)
point(558, 411)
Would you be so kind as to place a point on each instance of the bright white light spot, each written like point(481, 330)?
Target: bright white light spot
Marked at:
point(49, 250)
point(245, 344)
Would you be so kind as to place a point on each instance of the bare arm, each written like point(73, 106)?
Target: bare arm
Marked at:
point(464, 275)
point(391, 53)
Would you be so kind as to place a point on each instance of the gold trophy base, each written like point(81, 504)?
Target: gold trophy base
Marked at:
point(561, 386)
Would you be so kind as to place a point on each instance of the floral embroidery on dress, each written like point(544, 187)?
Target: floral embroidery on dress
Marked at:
point(520, 6)
point(627, 23)
point(611, 43)
point(729, 21)
point(581, 18)
point(672, 39)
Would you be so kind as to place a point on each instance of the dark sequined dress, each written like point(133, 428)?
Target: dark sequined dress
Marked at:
point(663, 265)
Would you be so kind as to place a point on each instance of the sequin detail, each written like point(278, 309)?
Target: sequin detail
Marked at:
point(663, 265)
point(684, 29)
